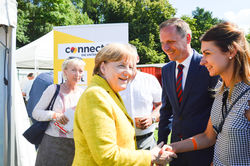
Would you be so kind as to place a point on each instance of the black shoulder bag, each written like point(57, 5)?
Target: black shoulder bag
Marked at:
point(34, 134)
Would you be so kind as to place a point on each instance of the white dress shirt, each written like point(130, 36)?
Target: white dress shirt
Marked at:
point(186, 64)
point(139, 97)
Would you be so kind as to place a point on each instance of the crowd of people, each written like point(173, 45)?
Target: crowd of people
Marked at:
point(203, 102)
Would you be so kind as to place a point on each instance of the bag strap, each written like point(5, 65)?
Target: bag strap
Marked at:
point(238, 98)
point(235, 101)
point(219, 128)
point(51, 104)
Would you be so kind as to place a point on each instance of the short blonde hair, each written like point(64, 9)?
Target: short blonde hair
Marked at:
point(115, 52)
point(71, 60)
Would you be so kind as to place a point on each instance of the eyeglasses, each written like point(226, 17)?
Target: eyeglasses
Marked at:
point(74, 57)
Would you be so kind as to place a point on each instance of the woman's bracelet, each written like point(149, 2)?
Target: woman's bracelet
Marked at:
point(194, 143)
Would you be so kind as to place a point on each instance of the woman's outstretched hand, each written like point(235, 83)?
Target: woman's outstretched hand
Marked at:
point(161, 155)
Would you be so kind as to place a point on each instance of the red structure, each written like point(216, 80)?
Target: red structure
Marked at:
point(154, 69)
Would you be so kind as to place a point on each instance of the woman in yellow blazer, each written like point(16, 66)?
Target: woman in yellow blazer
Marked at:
point(104, 133)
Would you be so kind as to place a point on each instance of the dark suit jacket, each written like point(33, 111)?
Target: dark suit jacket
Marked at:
point(191, 117)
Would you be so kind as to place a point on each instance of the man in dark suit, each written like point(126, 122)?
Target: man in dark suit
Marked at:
point(187, 95)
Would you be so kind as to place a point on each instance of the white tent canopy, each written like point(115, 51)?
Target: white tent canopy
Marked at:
point(37, 54)
point(8, 12)
point(15, 150)
point(8, 20)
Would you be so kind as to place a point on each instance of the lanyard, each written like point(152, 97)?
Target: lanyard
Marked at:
point(224, 110)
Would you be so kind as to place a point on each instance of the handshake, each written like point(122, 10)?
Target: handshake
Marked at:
point(162, 154)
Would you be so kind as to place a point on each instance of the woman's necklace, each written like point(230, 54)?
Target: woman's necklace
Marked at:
point(67, 90)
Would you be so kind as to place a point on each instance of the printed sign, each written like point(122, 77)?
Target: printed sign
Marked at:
point(81, 50)
point(84, 41)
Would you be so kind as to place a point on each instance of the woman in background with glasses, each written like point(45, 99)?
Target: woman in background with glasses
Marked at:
point(57, 147)
point(225, 53)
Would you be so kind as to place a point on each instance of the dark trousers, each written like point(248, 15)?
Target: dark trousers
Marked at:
point(146, 141)
point(202, 157)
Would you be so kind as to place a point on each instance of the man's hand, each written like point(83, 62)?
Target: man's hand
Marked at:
point(146, 122)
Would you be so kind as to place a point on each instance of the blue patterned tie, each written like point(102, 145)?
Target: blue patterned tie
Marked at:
point(179, 82)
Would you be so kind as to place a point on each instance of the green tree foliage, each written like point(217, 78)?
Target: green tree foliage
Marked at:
point(248, 37)
point(25, 10)
point(200, 22)
point(143, 17)
point(91, 7)
point(36, 18)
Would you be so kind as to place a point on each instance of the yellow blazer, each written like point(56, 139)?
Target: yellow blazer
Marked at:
point(104, 133)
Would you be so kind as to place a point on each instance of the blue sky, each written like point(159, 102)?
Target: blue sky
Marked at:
point(237, 11)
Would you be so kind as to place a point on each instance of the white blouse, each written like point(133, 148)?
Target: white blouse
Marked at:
point(62, 103)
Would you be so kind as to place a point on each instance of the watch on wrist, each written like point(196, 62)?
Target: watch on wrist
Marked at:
point(153, 119)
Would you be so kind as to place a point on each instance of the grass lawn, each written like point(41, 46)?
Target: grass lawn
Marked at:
point(156, 136)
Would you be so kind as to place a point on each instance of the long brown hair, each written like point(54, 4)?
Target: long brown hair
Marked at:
point(227, 36)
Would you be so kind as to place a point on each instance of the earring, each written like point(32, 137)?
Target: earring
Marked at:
point(230, 57)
